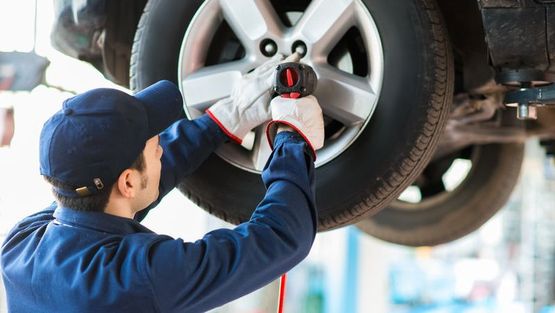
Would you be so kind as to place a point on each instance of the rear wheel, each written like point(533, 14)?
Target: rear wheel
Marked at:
point(442, 205)
point(385, 75)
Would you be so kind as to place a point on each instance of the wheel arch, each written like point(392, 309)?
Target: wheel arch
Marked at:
point(466, 31)
point(122, 19)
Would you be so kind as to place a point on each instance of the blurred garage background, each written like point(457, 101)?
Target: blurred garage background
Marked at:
point(508, 265)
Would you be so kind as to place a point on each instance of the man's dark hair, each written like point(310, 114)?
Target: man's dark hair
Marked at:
point(93, 203)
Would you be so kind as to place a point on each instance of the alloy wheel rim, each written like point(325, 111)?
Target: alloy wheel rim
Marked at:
point(347, 99)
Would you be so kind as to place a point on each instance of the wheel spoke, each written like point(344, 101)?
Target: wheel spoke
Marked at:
point(209, 84)
point(345, 97)
point(261, 148)
point(251, 20)
point(324, 23)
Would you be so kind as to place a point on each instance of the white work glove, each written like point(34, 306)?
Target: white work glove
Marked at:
point(247, 107)
point(304, 115)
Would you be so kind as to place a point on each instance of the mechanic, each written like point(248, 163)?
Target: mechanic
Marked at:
point(111, 157)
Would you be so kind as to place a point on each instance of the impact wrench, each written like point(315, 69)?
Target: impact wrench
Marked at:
point(293, 80)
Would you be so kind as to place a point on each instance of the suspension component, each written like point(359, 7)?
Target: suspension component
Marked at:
point(527, 98)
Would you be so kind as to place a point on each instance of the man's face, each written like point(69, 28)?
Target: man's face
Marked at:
point(151, 174)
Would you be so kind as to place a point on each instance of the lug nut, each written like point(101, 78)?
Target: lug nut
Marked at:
point(300, 50)
point(268, 47)
point(299, 47)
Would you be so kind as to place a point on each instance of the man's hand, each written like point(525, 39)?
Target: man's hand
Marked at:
point(302, 115)
point(247, 107)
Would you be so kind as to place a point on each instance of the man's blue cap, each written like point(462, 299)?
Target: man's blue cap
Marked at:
point(100, 133)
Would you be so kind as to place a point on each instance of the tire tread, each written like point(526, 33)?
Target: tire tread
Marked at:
point(418, 157)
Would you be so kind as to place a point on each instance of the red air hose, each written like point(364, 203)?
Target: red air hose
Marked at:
point(281, 297)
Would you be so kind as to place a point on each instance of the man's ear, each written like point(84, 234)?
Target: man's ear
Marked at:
point(126, 183)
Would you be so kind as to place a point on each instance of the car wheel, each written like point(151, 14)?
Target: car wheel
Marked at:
point(441, 207)
point(385, 82)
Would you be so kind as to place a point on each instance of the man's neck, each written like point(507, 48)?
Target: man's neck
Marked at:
point(119, 208)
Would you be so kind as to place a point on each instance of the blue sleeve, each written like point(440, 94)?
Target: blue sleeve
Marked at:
point(186, 145)
point(229, 263)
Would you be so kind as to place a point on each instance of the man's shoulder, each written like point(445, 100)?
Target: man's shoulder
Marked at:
point(143, 240)
point(29, 228)
point(32, 222)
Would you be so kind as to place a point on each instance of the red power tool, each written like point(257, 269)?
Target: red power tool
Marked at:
point(295, 80)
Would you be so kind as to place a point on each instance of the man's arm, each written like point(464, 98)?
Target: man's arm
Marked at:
point(186, 145)
point(227, 264)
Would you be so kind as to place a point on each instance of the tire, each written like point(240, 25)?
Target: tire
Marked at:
point(386, 156)
point(121, 23)
point(447, 216)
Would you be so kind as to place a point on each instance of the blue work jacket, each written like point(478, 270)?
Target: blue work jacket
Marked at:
point(62, 260)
